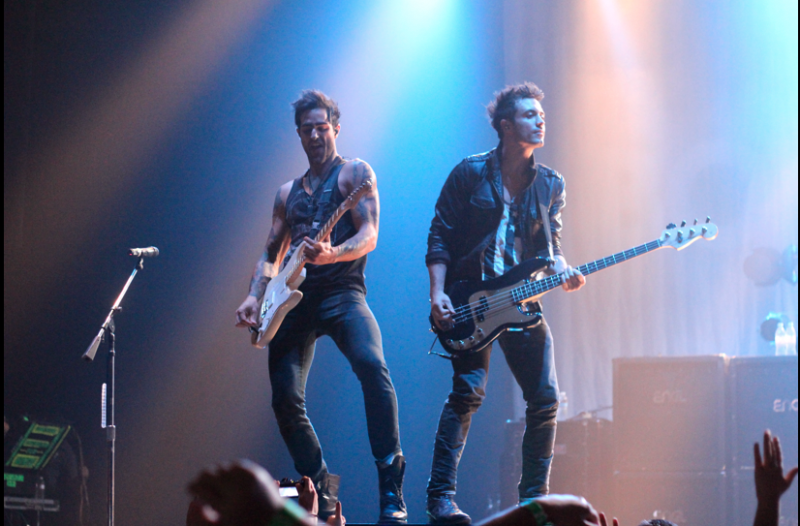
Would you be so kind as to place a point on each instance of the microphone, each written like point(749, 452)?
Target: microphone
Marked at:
point(149, 252)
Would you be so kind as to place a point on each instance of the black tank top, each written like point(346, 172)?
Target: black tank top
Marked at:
point(301, 211)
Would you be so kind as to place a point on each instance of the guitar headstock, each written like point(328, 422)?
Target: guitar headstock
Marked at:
point(680, 237)
point(356, 195)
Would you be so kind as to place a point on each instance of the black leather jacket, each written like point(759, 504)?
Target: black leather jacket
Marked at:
point(470, 207)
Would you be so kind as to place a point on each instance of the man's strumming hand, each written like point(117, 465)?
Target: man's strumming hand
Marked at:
point(442, 310)
point(247, 313)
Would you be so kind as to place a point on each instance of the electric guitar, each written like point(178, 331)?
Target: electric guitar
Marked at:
point(485, 309)
point(282, 294)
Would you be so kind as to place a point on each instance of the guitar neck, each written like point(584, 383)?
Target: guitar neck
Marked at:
point(539, 287)
point(328, 226)
point(300, 260)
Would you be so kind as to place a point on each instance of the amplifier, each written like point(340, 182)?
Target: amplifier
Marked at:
point(763, 395)
point(669, 414)
point(687, 499)
point(584, 461)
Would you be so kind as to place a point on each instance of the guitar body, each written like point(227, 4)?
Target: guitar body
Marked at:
point(279, 298)
point(479, 325)
point(484, 309)
point(282, 294)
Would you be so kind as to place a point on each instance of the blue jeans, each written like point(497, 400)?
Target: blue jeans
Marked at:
point(348, 320)
point(530, 357)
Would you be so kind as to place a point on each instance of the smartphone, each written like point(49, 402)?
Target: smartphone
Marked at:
point(289, 492)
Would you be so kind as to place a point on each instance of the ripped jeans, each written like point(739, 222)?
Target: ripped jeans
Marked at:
point(529, 354)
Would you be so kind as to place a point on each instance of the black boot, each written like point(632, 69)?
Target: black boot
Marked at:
point(327, 495)
point(444, 510)
point(390, 480)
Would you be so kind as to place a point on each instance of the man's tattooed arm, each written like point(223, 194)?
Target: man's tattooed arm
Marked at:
point(268, 264)
point(366, 215)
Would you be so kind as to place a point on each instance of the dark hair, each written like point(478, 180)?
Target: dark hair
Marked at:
point(312, 99)
point(657, 522)
point(504, 105)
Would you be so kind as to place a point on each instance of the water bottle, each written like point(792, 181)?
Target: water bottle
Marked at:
point(791, 340)
point(781, 347)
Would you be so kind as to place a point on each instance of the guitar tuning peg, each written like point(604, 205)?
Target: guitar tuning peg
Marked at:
point(708, 219)
point(695, 221)
point(683, 224)
point(671, 226)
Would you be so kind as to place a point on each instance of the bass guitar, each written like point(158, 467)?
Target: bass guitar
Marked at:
point(282, 294)
point(485, 309)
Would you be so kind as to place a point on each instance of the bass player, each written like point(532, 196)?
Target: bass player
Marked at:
point(334, 304)
point(487, 221)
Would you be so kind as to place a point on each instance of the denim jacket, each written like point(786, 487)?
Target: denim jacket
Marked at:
point(470, 208)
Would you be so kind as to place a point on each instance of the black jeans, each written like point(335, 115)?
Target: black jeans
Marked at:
point(348, 320)
point(530, 356)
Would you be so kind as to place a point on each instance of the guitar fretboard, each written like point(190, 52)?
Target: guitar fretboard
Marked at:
point(322, 234)
point(538, 287)
point(300, 260)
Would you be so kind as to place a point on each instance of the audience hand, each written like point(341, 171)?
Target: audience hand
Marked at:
point(604, 520)
point(564, 510)
point(771, 483)
point(307, 496)
point(337, 519)
point(241, 494)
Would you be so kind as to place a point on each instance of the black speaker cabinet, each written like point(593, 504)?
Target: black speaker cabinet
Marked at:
point(687, 499)
point(743, 505)
point(763, 395)
point(669, 414)
point(583, 463)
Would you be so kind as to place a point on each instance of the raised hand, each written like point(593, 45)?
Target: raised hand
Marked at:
point(240, 494)
point(337, 519)
point(771, 483)
point(604, 520)
point(307, 496)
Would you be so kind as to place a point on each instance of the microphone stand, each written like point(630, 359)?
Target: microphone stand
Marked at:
point(107, 332)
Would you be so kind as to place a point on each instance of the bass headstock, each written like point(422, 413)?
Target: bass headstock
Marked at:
point(680, 237)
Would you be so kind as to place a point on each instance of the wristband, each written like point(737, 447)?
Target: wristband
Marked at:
point(538, 514)
point(290, 515)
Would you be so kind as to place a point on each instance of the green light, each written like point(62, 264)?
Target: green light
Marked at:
point(12, 479)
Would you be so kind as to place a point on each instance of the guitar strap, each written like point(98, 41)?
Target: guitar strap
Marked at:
point(326, 196)
point(544, 211)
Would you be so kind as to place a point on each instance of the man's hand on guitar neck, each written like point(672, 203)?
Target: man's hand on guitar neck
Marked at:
point(572, 280)
point(321, 253)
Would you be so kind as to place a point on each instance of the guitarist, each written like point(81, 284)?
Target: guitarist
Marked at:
point(334, 304)
point(487, 221)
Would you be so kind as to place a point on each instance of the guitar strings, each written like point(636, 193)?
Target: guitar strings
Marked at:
point(464, 312)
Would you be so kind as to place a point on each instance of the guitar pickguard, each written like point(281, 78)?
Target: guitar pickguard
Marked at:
point(486, 309)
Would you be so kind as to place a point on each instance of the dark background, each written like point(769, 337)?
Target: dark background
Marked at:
point(168, 124)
